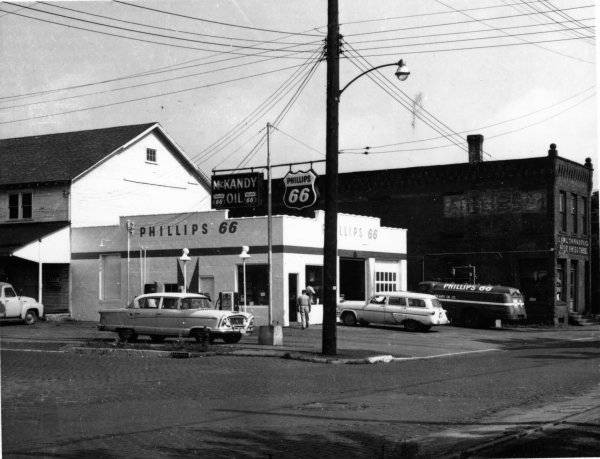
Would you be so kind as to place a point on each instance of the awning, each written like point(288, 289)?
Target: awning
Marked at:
point(46, 242)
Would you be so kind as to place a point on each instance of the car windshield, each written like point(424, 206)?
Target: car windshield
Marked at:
point(196, 303)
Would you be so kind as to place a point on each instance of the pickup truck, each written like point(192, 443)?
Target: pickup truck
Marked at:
point(15, 307)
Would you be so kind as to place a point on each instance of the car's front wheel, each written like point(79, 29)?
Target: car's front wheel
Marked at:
point(232, 338)
point(31, 317)
point(126, 335)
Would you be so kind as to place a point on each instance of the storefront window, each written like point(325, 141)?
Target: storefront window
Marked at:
point(573, 284)
point(257, 284)
point(314, 278)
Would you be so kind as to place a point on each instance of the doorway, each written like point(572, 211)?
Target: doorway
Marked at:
point(292, 295)
point(207, 286)
point(352, 279)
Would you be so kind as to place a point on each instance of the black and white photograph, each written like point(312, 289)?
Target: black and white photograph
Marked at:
point(299, 229)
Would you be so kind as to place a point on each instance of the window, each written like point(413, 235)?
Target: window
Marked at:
point(386, 281)
point(151, 155)
point(397, 301)
point(149, 303)
point(584, 215)
point(170, 303)
point(19, 206)
point(416, 303)
point(574, 213)
point(9, 292)
point(257, 284)
point(562, 209)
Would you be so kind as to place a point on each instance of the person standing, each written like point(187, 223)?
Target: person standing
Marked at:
point(303, 303)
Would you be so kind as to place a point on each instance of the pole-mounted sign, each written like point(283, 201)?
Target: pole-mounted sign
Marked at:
point(237, 190)
point(300, 191)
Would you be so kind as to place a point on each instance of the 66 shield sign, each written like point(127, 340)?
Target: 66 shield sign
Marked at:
point(300, 191)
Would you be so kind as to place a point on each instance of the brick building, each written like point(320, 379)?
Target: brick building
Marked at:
point(523, 222)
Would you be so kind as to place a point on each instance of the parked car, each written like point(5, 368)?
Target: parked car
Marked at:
point(15, 307)
point(478, 305)
point(414, 311)
point(161, 315)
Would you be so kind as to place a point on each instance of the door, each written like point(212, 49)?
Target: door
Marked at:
point(144, 318)
point(168, 316)
point(352, 279)
point(12, 303)
point(207, 286)
point(375, 309)
point(396, 311)
point(292, 296)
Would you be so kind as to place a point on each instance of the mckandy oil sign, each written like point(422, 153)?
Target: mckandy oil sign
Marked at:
point(237, 190)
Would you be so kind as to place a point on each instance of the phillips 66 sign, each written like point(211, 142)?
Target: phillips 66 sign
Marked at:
point(300, 191)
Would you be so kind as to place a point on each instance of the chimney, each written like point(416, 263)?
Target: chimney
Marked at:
point(475, 142)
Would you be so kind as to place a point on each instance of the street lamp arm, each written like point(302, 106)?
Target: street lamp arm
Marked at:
point(400, 65)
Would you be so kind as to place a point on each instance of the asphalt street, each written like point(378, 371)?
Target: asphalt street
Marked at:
point(456, 391)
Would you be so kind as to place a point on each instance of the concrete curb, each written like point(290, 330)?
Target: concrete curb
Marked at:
point(238, 352)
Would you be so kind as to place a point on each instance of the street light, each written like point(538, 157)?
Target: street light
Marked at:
point(329, 345)
point(185, 258)
point(244, 256)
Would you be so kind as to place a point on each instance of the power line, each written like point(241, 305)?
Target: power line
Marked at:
point(253, 117)
point(217, 22)
point(465, 48)
point(162, 28)
point(462, 32)
point(423, 26)
point(435, 13)
point(133, 38)
point(149, 97)
point(483, 21)
point(349, 150)
point(560, 13)
point(460, 40)
point(135, 86)
point(299, 141)
point(512, 131)
point(430, 120)
point(153, 34)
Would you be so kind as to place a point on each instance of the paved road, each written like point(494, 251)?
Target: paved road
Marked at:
point(62, 404)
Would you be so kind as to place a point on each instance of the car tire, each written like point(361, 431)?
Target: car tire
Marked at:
point(232, 338)
point(157, 338)
point(348, 319)
point(30, 317)
point(126, 335)
point(202, 336)
point(412, 325)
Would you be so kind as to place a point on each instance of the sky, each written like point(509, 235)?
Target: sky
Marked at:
point(213, 73)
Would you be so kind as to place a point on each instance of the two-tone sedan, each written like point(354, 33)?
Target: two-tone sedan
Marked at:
point(162, 315)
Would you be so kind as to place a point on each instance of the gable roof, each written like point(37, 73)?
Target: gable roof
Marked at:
point(63, 157)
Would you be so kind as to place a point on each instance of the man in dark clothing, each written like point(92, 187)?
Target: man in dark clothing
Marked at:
point(304, 308)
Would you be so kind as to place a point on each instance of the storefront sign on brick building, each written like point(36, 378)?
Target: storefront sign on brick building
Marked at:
point(569, 245)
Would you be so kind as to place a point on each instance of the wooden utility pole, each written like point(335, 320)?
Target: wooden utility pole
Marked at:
point(331, 182)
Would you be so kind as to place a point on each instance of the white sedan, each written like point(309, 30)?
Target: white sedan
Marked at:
point(161, 315)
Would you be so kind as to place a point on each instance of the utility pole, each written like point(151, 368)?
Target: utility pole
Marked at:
point(331, 182)
point(269, 225)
